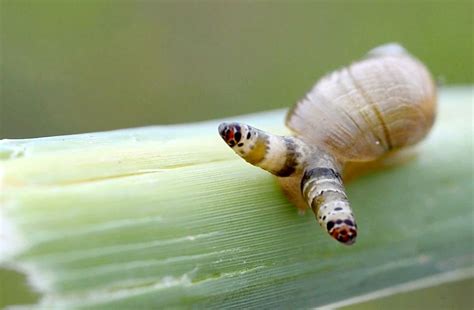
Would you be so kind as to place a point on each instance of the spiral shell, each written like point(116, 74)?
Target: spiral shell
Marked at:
point(359, 112)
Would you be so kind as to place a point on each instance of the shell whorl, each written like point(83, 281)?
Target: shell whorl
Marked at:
point(383, 102)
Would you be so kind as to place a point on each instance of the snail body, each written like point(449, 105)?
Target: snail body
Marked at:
point(356, 114)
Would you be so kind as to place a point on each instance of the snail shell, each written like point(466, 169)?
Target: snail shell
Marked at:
point(359, 112)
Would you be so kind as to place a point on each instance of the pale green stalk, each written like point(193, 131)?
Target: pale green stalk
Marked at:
point(170, 216)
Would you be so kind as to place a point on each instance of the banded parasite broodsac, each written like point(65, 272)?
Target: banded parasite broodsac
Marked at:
point(356, 114)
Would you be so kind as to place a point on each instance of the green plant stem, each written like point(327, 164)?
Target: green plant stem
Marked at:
point(169, 216)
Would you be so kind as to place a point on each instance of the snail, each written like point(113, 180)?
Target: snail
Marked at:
point(359, 113)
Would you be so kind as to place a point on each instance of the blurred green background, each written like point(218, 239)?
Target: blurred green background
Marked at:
point(81, 66)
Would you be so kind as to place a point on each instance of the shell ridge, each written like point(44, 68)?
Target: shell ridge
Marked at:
point(374, 107)
point(360, 111)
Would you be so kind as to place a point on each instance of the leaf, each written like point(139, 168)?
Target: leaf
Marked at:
point(168, 216)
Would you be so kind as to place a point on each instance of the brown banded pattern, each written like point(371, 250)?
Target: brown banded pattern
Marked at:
point(279, 155)
point(322, 189)
point(283, 156)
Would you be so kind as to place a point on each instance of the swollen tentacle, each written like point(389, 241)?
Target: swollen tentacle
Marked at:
point(324, 192)
point(321, 185)
point(279, 155)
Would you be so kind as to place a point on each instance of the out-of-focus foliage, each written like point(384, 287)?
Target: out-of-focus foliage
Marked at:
point(80, 66)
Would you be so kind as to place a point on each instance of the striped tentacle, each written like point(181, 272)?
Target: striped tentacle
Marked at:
point(321, 184)
point(279, 155)
point(324, 192)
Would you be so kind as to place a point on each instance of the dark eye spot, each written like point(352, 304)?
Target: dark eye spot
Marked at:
point(231, 143)
point(240, 144)
point(324, 217)
point(338, 209)
point(348, 222)
point(329, 225)
point(338, 221)
point(237, 136)
point(248, 136)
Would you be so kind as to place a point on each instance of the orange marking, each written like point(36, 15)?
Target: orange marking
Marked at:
point(344, 233)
